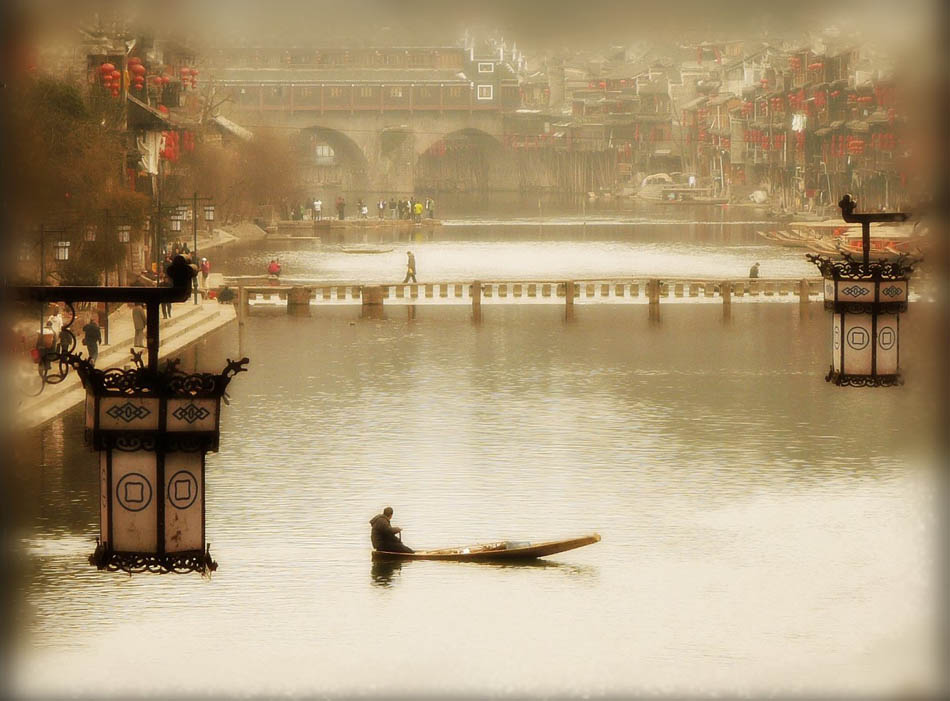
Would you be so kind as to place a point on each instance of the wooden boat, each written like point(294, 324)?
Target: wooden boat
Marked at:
point(359, 249)
point(690, 195)
point(493, 552)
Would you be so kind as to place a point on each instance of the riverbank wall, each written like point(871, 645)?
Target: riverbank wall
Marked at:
point(189, 323)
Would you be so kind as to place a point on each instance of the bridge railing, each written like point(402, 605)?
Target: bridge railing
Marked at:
point(649, 289)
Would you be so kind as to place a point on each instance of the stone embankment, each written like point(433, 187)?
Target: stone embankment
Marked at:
point(189, 323)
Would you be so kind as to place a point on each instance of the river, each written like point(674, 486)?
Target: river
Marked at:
point(763, 531)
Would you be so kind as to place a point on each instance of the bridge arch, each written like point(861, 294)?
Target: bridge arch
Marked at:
point(462, 160)
point(331, 158)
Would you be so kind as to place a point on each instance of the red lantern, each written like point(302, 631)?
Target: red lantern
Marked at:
point(115, 92)
point(194, 71)
point(135, 60)
point(106, 68)
point(137, 69)
point(116, 75)
point(163, 109)
point(164, 80)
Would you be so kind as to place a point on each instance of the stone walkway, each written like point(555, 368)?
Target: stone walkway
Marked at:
point(189, 322)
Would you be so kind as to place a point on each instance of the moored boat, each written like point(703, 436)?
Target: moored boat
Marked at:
point(361, 249)
point(492, 552)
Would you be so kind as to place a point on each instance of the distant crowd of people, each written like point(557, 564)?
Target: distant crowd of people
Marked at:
point(393, 208)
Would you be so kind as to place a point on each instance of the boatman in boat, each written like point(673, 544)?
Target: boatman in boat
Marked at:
point(385, 535)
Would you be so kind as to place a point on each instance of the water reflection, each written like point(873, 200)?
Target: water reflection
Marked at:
point(383, 572)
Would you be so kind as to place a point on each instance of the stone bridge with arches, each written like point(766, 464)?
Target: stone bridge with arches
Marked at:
point(376, 146)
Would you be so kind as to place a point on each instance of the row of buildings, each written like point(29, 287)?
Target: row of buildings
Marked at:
point(798, 123)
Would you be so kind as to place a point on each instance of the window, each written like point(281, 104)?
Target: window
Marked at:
point(485, 92)
point(366, 92)
point(455, 91)
point(395, 92)
point(336, 92)
point(486, 67)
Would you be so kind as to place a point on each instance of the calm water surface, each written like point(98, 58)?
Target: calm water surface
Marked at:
point(762, 530)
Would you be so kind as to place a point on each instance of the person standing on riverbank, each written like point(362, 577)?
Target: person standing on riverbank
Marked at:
point(318, 209)
point(410, 267)
point(92, 337)
point(138, 323)
point(340, 207)
point(754, 271)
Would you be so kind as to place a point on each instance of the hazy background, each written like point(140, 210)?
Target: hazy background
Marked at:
point(915, 32)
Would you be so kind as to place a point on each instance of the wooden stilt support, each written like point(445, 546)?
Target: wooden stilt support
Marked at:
point(476, 294)
point(569, 300)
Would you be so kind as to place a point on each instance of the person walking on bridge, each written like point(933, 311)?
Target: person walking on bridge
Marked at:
point(385, 536)
point(410, 267)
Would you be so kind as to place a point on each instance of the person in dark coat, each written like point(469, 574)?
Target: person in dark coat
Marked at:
point(91, 339)
point(410, 267)
point(754, 271)
point(384, 533)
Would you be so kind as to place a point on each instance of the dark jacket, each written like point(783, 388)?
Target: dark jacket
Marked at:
point(384, 534)
point(92, 336)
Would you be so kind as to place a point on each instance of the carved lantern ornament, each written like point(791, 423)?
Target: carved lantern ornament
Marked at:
point(152, 431)
point(866, 299)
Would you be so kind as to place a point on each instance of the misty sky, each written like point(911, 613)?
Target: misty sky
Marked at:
point(536, 25)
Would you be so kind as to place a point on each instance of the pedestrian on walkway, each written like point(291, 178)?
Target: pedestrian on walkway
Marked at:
point(138, 323)
point(754, 271)
point(205, 271)
point(340, 206)
point(430, 208)
point(92, 337)
point(417, 211)
point(45, 345)
point(318, 209)
point(55, 322)
point(166, 306)
point(392, 206)
point(410, 267)
point(381, 208)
